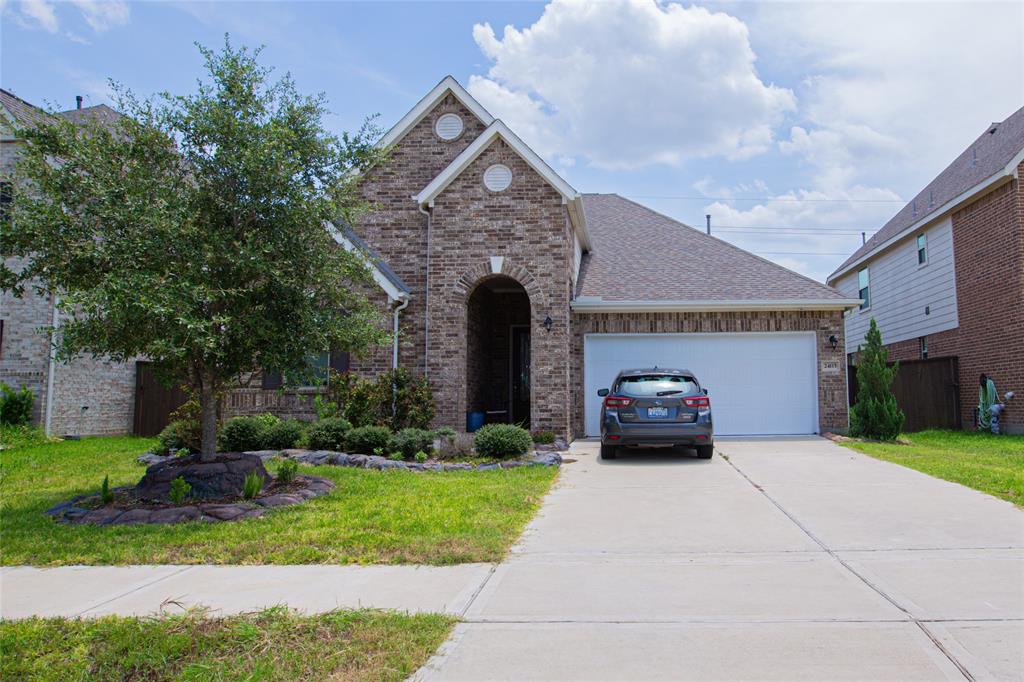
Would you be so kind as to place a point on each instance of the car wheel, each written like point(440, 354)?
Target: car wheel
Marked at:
point(608, 451)
point(705, 451)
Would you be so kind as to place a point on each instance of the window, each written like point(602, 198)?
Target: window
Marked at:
point(656, 385)
point(923, 345)
point(863, 289)
point(6, 197)
point(922, 249)
point(319, 364)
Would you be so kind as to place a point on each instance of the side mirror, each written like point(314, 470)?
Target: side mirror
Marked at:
point(602, 392)
point(704, 391)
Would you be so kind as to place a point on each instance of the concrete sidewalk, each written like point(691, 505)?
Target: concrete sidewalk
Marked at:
point(791, 559)
point(145, 590)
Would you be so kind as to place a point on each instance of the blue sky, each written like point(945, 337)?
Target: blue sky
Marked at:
point(796, 125)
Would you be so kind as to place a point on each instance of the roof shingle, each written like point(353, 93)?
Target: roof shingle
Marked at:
point(642, 255)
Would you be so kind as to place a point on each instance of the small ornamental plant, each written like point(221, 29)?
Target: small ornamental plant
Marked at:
point(544, 437)
point(502, 440)
point(396, 456)
point(420, 457)
point(286, 472)
point(180, 489)
point(252, 485)
point(328, 434)
point(875, 414)
point(106, 497)
point(368, 440)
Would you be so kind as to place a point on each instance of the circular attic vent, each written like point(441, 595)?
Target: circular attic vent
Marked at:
point(448, 127)
point(498, 177)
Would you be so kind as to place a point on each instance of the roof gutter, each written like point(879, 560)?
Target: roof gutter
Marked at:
point(597, 305)
point(1009, 172)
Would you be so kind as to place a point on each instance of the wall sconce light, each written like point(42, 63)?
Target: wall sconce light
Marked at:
point(547, 323)
point(833, 341)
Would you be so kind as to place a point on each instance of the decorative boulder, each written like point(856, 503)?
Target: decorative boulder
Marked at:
point(223, 477)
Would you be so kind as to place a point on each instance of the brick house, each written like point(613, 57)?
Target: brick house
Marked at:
point(520, 297)
point(944, 278)
point(87, 395)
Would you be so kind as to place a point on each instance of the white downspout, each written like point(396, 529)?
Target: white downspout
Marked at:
point(426, 300)
point(50, 371)
point(394, 344)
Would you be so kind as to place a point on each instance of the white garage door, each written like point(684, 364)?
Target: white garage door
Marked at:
point(759, 383)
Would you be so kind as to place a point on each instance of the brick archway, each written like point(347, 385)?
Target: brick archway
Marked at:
point(470, 280)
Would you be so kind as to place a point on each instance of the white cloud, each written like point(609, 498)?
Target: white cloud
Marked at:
point(100, 15)
point(630, 83)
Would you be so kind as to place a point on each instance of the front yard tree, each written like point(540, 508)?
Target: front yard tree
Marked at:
point(192, 231)
point(875, 414)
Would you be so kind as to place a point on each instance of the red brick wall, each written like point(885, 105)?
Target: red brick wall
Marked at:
point(832, 401)
point(988, 245)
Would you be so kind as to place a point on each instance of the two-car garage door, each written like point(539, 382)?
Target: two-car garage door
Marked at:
point(759, 383)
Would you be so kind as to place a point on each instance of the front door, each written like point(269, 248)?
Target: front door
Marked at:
point(520, 379)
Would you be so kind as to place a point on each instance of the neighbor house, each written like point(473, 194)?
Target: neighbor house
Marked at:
point(520, 297)
point(944, 279)
point(87, 395)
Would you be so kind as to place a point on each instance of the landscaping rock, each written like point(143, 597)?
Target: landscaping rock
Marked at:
point(223, 512)
point(488, 467)
point(282, 500)
point(132, 516)
point(149, 458)
point(357, 460)
point(101, 516)
point(223, 477)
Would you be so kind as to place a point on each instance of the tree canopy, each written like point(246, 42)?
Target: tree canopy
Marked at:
point(194, 230)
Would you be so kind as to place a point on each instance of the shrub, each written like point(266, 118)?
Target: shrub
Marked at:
point(420, 456)
point(181, 452)
point(106, 497)
point(286, 472)
point(15, 406)
point(458, 446)
point(446, 432)
point(366, 439)
point(328, 434)
point(502, 440)
point(252, 485)
point(170, 438)
point(180, 489)
point(243, 433)
point(282, 435)
point(188, 425)
point(875, 414)
point(396, 456)
point(544, 437)
point(266, 420)
point(396, 399)
point(410, 441)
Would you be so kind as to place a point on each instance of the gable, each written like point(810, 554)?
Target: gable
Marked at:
point(447, 90)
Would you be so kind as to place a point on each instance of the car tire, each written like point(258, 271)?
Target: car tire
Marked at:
point(705, 451)
point(609, 451)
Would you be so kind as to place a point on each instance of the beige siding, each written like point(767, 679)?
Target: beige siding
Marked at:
point(901, 290)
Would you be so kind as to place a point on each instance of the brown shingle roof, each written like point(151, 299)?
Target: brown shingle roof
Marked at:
point(986, 156)
point(642, 255)
point(23, 113)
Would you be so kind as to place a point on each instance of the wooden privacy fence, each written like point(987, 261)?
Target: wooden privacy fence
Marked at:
point(154, 402)
point(928, 392)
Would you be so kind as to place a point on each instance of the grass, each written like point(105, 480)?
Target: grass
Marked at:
point(387, 517)
point(270, 645)
point(991, 464)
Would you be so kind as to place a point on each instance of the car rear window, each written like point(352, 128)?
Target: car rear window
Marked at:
point(652, 384)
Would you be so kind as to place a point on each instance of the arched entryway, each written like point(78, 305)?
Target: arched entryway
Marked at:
point(498, 350)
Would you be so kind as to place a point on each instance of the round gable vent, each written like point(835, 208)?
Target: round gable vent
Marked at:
point(497, 177)
point(448, 127)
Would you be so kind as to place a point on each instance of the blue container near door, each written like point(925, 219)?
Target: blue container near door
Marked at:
point(474, 420)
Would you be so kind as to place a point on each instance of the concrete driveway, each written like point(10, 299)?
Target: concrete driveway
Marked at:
point(777, 559)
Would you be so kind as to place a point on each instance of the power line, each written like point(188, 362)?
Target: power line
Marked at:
point(768, 199)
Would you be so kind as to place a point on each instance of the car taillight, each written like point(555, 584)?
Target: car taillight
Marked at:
point(616, 401)
point(699, 401)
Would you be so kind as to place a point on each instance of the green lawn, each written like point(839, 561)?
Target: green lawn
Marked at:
point(270, 645)
point(371, 517)
point(991, 464)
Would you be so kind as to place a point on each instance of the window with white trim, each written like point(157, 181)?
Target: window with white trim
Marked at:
point(922, 249)
point(863, 289)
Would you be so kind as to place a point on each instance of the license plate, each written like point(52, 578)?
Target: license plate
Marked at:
point(657, 411)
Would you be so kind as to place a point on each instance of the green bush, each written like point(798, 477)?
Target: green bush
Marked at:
point(502, 440)
point(243, 433)
point(189, 426)
point(180, 489)
point(410, 441)
point(286, 472)
point(366, 439)
point(421, 456)
point(282, 435)
point(170, 438)
point(252, 485)
point(875, 414)
point(396, 399)
point(15, 406)
point(328, 434)
point(106, 497)
point(544, 437)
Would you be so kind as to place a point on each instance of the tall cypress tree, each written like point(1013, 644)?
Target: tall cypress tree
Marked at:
point(875, 414)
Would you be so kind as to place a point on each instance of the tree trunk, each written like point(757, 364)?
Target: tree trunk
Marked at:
point(208, 419)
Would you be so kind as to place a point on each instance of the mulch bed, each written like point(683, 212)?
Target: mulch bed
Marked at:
point(128, 509)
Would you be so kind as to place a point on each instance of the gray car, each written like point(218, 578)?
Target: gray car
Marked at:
point(656, 407)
